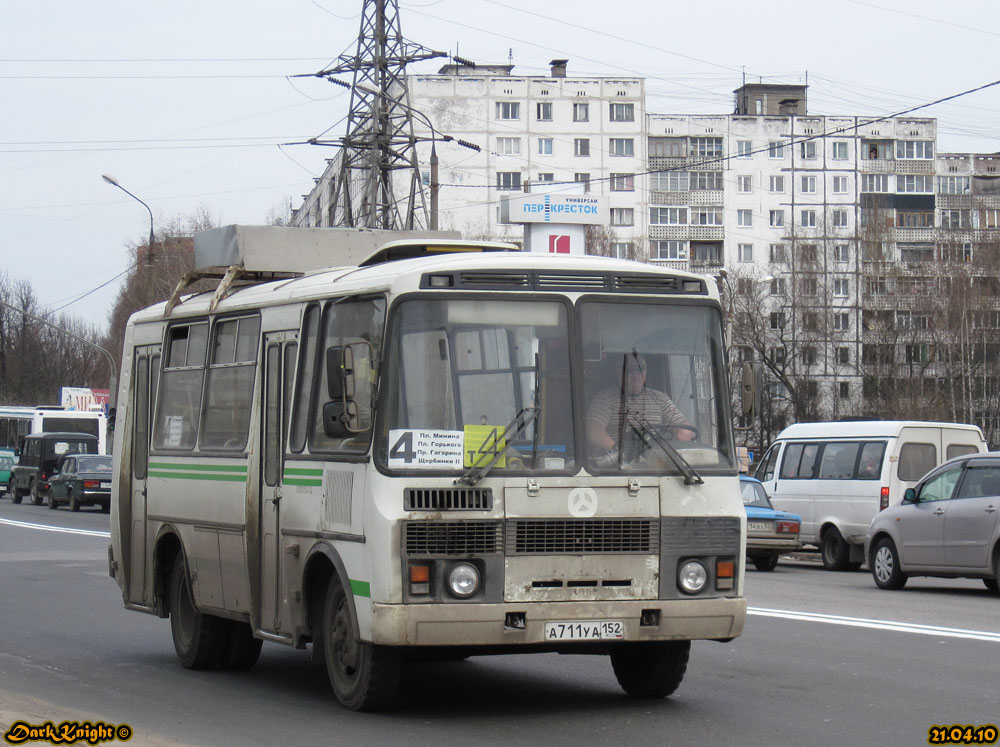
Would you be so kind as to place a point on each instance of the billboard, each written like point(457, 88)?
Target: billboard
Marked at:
point(555, 208)
point(83, 399)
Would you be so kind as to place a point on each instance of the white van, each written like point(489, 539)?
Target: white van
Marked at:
point(838, 476)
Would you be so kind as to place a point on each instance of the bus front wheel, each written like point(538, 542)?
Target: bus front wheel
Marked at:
point(650, 670)
point(364, 676)
point(199, 640)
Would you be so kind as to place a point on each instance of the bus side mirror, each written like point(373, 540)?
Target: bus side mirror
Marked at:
point(910, 496)
point(337, 419)
point(343, 365)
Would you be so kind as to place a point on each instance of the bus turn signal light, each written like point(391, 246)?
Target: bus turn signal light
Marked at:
point(724, 572)
point(420, 579)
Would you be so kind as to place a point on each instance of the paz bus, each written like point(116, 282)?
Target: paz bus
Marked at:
point(390, 461)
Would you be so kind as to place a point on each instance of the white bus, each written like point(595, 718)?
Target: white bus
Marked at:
point(391, 460)
point(16, 422)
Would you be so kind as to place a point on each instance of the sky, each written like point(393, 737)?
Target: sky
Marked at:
point(193, 107)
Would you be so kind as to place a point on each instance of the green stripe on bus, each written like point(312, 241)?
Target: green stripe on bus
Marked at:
point(303, 471)
point(189, 467)
point(361, 588)
point(300, 481)
point(198, 476)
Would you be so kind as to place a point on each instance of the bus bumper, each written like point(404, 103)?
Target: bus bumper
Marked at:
point(486, 624)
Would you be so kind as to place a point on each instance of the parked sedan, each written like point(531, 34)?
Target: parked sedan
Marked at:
point(769, 532)
point(6, 465)
point(82, 480)
point(945, 526)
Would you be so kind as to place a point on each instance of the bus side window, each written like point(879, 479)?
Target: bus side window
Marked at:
point(765, 471)
point(790, 464)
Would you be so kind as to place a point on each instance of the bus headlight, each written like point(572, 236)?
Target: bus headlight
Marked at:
point(692, 577)
point(463, 580)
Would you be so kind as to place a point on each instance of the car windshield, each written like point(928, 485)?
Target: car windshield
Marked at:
point(6, 462)
point(93, 464)
point(754, 495)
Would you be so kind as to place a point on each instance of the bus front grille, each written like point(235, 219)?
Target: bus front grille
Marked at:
point(448, 499)
point(582, 536)
point(452, 537)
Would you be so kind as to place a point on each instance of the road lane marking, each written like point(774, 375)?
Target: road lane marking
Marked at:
point(890, 625)
point(63, 530)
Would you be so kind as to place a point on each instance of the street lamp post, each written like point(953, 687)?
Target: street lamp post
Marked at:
point(149, 251)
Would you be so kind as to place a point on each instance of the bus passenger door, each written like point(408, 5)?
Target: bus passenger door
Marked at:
point(147, 369)
point(279, 364)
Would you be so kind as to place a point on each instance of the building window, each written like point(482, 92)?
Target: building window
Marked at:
point(744, 149)
point(581, 112)
point(807, 252)
point(669, 250)
point(956, 219)
point(508, 180)
point(668, 147)
point(840, 185)
point(744, 252)
point(809, 185)
point(877, 287)
point(808, 149)
point(778, 320)
point(841, 287)
point(623, 182)
point(622, 249)
point(843, 389)
point(914, 149)
point(777, 218)
point(840, 150)
point(916, 252)
point(989, 218)
point(543, 111)
point(776, 149)
point(669, 181)
point(918, 218)
point(581, 146)
point(874, 183)
point(808, 286)
point(843, 356)
point(508, 146)
point(915, 183)
point(776, 354)
point(622, 112)
point(622, 146)
point(622, 216)
point(808, 219)
point(777, 184)
point(744, 218)
point(956, 252)
point(953, 185)
point(705, 180)
point(508, 110)
point(744, 184)
point(779, 287)
point(808, 355)
point(841, 253)
point(545, 146)
point(777, 252)
point(703, 216)
point(706, 147)
point(546, 176)
point(840, 219)
point(583, 177)
point(668, 216)
point(842, 321)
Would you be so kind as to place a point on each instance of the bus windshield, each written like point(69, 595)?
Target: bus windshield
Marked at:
point(488, 385)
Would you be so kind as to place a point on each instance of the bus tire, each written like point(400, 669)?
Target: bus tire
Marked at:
point(836, 554)
point(364, 677)
point(243, 649)
point(36, 498)
point(650, 670)
point(199, 639)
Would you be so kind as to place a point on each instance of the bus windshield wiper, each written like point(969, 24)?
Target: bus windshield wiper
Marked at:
point(647, 433)
point(521, 421)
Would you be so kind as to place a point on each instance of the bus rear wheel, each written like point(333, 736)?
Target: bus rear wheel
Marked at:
point(199, 640)
point(650, 670)
point(364, 676)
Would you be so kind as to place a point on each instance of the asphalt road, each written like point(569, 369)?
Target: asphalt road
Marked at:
point(826, 658)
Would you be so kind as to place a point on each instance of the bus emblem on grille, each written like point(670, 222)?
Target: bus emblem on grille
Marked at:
point(582, 502)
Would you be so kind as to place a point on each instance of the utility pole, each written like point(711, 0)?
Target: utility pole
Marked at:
point(379, 137)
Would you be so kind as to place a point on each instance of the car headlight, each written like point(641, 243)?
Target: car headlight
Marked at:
point(692, 577)
point(463, 580)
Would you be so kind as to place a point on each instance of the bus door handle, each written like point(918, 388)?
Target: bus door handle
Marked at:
point(277, 495)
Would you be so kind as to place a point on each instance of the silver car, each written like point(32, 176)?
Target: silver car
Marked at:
point(945, 526)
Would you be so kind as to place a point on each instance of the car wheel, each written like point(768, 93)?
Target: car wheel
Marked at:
point(885, 565)
point(766, 562)
point(364, 677)
point(199, 639)
point(52, 502)
point(650, 670)
point(15, 495)
point(36, 498)
point(993, 584)
point(74, 504)
point(835, 551)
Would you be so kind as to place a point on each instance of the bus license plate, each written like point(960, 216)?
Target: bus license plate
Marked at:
point(584, 630)
point(106, 485)
point(759, 526)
